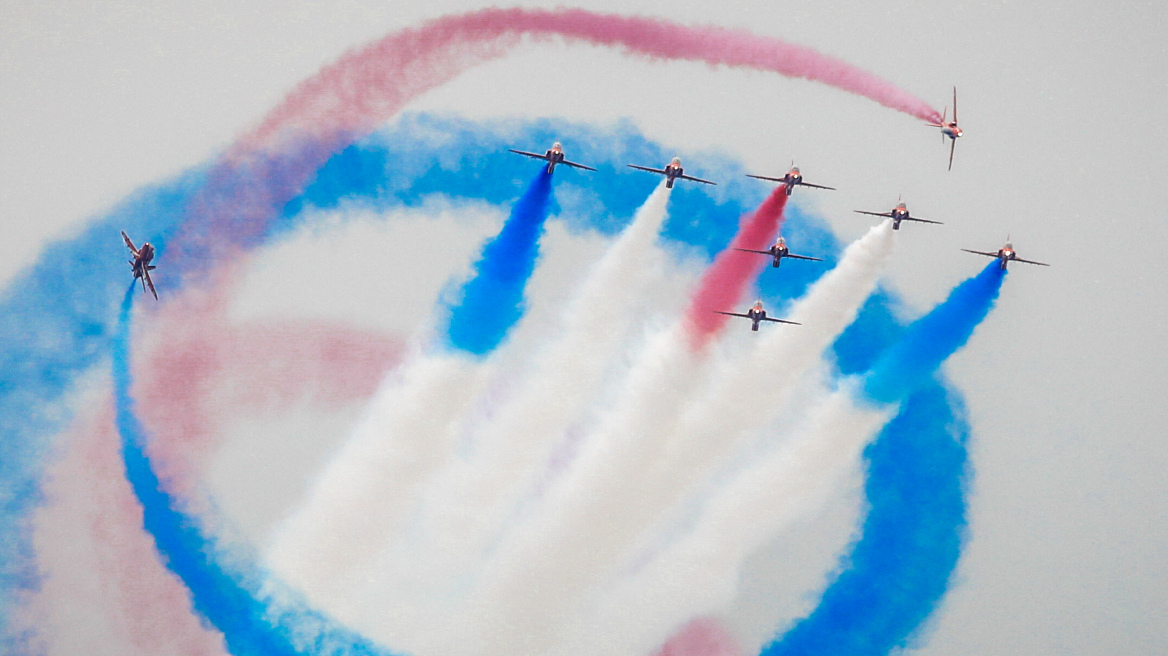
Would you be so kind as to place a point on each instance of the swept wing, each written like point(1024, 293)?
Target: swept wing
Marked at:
point(980, 253)
point(690, 177)
point(147, 282)
point(1018, 259)
point(129, 244)
point(802, 257)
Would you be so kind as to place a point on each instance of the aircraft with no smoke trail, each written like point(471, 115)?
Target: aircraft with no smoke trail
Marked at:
point(757, 315)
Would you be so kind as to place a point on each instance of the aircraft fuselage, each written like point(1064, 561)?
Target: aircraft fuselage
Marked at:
point(899, 214)
point(1005, 255)
point(790, 180)
point(141, 263)
point(553, 157)
point(756, 317)
point(778, 253)
point(672, 172)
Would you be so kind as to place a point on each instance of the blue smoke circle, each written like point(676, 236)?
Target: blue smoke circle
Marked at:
point(58, 317)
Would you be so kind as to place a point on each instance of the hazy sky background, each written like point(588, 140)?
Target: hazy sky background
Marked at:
point(1064, 150)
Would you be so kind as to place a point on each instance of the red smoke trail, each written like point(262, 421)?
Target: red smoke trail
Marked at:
point(198, 368)
point(194, 355)
point(370, 84)
point(348, 99)
point(723, 284)
point(701, 637)
point(97, 560)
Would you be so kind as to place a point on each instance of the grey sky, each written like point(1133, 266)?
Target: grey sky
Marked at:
point(1065, 150)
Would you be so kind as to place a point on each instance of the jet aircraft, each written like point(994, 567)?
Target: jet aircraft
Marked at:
point(949, 128)
point(672, 171)
point(1006, 255)
point(140, 263)
point(778, 252)
point(897, 214)
point(553, 156)
point(790, 179)
point(757, 315)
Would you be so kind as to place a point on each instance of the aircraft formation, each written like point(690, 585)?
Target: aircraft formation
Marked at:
point(673, 171)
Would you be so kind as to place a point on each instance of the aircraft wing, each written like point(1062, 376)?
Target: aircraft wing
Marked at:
point(804, 257)
point(646, 168)
point(793, 323)
point(535, 155)
point(129, 244)
point(578, 166)
point(808, 184)
point(887, 215)
point(690, 177)
point(913, 218)
point(149, 282)
point(763, 177)
point(751, 250)
point(953, 144)
point(980, 253)
point(732, 314)
point(1018, 259)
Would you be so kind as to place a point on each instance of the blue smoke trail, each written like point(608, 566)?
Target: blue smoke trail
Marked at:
point(229, 600)
point(899, 569)
point(934, 337)
point(51, 332)
point(492, 301)
point(55, 323)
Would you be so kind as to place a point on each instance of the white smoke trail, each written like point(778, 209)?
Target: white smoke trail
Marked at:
point(699, 574)
point(642, 460)
point(543, 568)
point(362, 495)
point(642, 485)
point(746, 395)
point(469, 503)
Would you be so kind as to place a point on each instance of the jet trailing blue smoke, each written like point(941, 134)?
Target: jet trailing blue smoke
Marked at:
point(933, 338)
point(227, 596)
point(56, 318)
point(492, 300)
